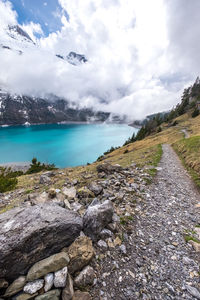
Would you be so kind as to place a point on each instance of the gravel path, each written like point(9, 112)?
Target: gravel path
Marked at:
point(159, 264)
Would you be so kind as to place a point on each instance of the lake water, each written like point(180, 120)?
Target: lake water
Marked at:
point(64, 145)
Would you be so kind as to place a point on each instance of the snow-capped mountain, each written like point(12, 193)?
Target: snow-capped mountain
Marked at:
point(14, 38)
point(26, 109)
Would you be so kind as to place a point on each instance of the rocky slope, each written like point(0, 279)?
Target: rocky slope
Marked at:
point(136, 241)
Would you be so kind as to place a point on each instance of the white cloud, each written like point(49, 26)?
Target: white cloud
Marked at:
point(7, 15)
point(33, 28)
point(135, 64)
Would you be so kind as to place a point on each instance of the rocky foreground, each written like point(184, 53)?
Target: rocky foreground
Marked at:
point(116, 237)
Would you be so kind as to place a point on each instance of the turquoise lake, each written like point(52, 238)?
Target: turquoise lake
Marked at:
point(64, 145)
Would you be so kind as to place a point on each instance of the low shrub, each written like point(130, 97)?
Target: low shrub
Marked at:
point(37, 167)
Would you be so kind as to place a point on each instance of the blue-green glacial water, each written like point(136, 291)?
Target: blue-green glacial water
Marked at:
point(64, 145)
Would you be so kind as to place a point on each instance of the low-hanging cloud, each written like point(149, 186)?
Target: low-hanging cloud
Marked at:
point(135, 63)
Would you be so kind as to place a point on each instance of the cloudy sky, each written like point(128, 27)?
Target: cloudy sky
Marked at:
point(141, 54)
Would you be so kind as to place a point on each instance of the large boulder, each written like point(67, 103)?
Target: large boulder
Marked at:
point(29, 234)
point(108, 168)
point(96, 218)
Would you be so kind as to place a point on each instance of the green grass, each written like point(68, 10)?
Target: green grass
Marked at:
point(191, 238)
point(157, 157)
point(125, 219)
point(154, 162)
point(189, 152)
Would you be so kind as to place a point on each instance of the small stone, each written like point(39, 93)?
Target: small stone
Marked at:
point(48, 279)
point(69, 192)
point(34, 286)
point(51, 295)
point(117, 241)
point(48, 265)
point(60, 277)
point(193, 291)
point(175, 244)
point(75, 206)
point(85, 278)
point(106, 233)
point(123, 249)
point(84, 192)
point(44, 179)
point(102, 244)
point(68, 291)
point(52, 193)
point(195, 245)
point(67, 204)
point(16, 286)
point(95, 188)
point(78, 295)
point(80, 253)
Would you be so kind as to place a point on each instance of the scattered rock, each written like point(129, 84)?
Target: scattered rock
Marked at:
point(85, 193)
point(96, 218)
point(195, 245)
point(16, 286)
point(41, 198)
point(48, 279)
point(78, 295)
point(80, 253)
point(60, 278)
point(193, 291)
point(86, 277)
point(76, 206)
point(20, 228)
point(69, 192)
point(48, 265)
point(106, 233)
point(95, 188)
point(68, 291)
point(51, 295)
point(102, 244)
point(108, 168)
point(52, 193)
point(44, 179)
point(123, 249)
point(33, 286)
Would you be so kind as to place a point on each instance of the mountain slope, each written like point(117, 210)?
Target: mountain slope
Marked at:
point(15, 110)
